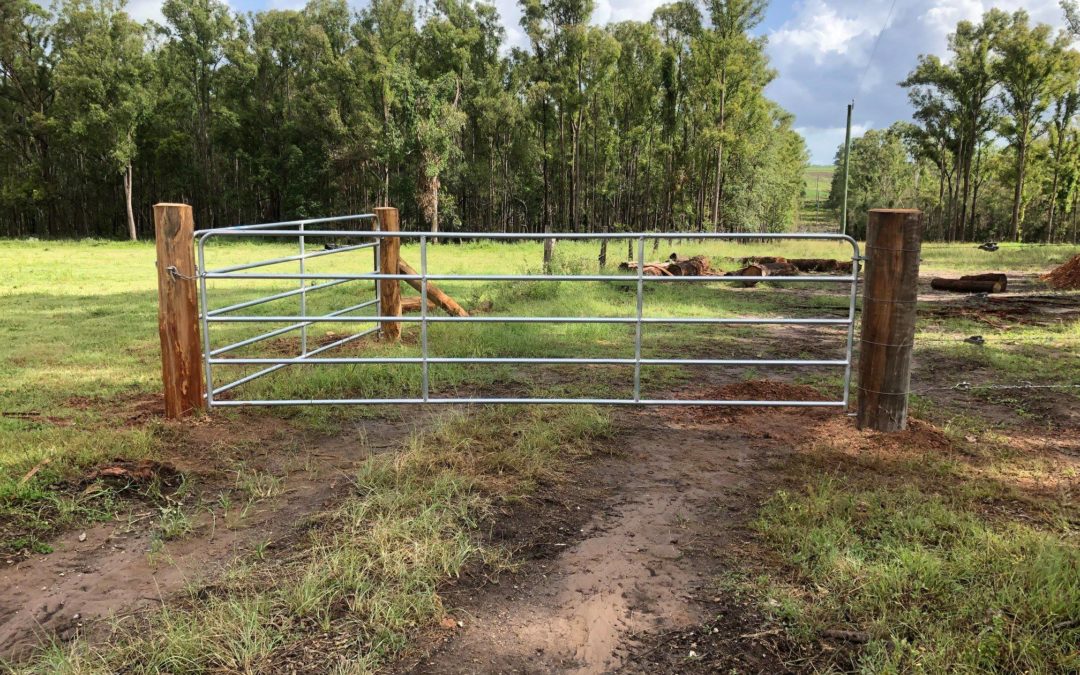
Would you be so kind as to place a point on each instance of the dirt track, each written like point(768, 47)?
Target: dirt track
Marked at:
point(675, 498)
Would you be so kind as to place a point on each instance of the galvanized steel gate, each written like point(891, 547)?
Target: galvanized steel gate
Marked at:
point(308, 282)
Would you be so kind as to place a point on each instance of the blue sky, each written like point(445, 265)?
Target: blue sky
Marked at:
point(820, 48)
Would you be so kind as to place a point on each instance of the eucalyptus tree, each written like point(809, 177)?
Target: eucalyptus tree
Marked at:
point(678, 24)
point(385, 53)
point(1028, 68)
point(196, 34)
point(281, 113)
point(1072, 16)
point(102, 87)
point(1062, 134)
point(955, 99)
point(728, 59)
point(27, 97)
point(881, 175)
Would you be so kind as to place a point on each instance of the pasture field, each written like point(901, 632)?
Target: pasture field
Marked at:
point(346, 539)
point(813, 216)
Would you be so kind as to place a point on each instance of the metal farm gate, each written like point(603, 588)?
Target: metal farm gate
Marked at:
point(367, 235)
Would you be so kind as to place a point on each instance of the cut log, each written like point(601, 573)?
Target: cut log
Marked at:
point(773, 269)
point(966, 285)
point(698, 266)
point(412, 304)
point(759, 259)
point(989, 276)
point(434, 293)
point(657, 270)
point(675, 266)
point(827, 265)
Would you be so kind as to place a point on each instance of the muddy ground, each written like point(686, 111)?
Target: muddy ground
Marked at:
point(621, 569)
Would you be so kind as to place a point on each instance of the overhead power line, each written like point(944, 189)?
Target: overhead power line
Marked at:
point(873, 51)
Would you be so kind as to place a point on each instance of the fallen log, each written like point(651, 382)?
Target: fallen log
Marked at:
point(697, 266)
point(966, 285)
point(764, 269)
point(821, 265)
point(657, 270)
point(412, 304)
point(762, 259)
point(803, 264)
point(989, 276)
point(434, 293)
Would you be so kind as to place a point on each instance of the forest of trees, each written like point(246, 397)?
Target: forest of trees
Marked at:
point(994, 152)
point(289, 114)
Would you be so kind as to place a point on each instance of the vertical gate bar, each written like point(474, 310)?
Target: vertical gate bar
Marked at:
point(851, 326)
point(303, 293)
point(201, 271)
point(637, 326)
point(424, 315)
point(378, 270)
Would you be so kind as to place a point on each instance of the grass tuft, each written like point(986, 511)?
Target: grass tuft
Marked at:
point(370, 570)
point(937, 588)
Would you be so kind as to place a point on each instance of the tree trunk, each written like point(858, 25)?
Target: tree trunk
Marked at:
point(1053, 204)
point(132, 234)
point(1018, 190)
point(717, 224)
point(435, 209)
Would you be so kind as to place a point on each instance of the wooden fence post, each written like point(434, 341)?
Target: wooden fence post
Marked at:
point(178, 311)
point(389, 289)
point(890, 291)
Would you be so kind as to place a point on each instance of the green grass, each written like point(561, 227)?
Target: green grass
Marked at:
point(1009, 258)
point(79, 353)
point(79, 345)
point(813, 216)
point(937, 588)
point(371, 568)
point(818, 182)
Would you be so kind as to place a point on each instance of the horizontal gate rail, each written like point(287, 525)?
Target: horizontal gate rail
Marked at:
point(531, 401)
point(299, 230)
point(601, 361)
point(524, 277)
point(333, 318)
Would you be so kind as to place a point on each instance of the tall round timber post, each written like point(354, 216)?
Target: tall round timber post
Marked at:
point(389, 258)
point(178, 311)
point(890, 292)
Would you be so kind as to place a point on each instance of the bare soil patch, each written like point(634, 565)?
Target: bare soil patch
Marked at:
point(123, 566)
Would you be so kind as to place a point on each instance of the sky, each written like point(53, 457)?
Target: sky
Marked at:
point(826, 52)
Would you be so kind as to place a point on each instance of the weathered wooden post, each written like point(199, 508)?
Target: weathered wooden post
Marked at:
point(890, 291)
point(178, 311)
point(389, 289)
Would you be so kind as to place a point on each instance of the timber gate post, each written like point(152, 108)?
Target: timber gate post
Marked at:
point(178, 311)
point(389, 260)
point(890, 291)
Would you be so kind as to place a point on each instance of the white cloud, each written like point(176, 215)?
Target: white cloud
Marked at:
point(822, 55)
point(145, 10)
point(823, 32)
